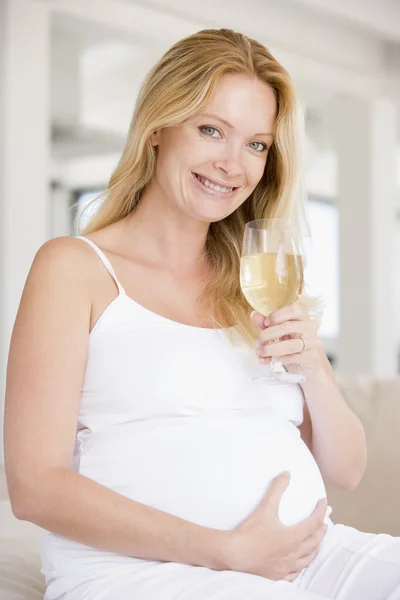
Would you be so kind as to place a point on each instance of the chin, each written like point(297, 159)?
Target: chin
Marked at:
point(211, 217)
point(212, 214)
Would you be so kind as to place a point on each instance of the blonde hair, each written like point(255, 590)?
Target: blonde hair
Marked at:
point(177, 88)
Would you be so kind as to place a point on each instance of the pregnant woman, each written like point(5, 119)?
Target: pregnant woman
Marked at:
point(133, 433)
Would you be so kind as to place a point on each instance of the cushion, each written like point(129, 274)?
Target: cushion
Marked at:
point(20, 576)
point(374, 505)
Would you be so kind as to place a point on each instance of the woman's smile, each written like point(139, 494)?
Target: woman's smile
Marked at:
point(212, 188)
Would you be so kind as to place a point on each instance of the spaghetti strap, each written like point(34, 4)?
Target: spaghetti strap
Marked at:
point(104, 260)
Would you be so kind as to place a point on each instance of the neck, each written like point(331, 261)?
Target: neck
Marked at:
point(166, 235)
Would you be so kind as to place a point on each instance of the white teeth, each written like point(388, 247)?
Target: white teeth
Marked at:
point(213, 186)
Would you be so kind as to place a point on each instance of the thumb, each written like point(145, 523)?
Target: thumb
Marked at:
point(258, 320)
point(275, 491)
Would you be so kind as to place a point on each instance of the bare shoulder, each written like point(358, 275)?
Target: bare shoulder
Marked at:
point(62, 272)
point(67, 260)
point(61, 251)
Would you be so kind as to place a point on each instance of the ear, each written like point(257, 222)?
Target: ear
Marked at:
point(154, 138)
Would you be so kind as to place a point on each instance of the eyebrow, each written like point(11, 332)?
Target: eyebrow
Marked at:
point(269, 134)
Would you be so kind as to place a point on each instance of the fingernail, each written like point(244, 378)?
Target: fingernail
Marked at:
point(264, 361)
point(252, 314)
point(285, 474)
point(267, 322)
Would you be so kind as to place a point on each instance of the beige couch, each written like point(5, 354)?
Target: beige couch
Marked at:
point(372, 507)
point(20, 577)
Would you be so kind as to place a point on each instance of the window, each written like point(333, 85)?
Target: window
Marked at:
point(81, 216)
point(322, 262)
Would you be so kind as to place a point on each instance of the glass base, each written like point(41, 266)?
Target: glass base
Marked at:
point(278, 378)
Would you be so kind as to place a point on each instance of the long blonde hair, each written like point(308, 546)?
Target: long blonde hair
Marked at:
point(176, 89)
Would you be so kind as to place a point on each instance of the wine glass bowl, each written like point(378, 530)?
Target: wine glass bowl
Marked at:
point(271, 275)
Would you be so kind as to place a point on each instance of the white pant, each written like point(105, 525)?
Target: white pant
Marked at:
point(351, 566)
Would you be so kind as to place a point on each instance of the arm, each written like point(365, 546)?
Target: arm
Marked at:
point(336, 436)
point(44, 380)
point(332, 431)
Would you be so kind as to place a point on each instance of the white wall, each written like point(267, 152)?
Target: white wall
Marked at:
point(396, 284)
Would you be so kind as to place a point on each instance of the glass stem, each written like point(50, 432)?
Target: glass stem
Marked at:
point(275, 362)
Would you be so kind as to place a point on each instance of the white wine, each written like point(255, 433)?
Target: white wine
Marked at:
point(271, 280)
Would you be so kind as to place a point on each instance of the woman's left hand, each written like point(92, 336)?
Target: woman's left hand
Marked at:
point(289, 335)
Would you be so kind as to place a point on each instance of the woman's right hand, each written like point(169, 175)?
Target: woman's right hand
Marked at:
point(262, 545)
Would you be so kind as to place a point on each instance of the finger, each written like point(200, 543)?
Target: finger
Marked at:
point(291, 347)
point(286, 313)
point(273, 497)
point(318, 515)
point(292, 576)
point(275, 332)
point(315, 521)
point(305, 561)
point(258, 320)
point(292, 359)
point(313, 542)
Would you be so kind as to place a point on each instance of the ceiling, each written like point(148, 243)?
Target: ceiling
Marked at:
point(381, 17)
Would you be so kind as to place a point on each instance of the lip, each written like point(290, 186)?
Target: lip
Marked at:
point(217, 181)
point(210, 191)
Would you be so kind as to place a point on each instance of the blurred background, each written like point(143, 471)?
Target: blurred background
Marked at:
point(69, 75)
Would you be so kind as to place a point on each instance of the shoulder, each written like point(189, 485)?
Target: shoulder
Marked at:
point(66, 255)
point(59, 282)
point(63, 249)
point(66, 263)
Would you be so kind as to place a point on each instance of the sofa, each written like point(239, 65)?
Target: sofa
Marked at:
point(373, 506)
point(20, 577)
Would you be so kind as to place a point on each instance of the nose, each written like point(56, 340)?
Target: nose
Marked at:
point(230, 164)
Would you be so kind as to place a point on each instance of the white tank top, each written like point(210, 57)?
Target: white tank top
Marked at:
point(169, 417)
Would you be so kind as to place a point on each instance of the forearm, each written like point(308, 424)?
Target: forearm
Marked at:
point(79, 508)
point(338, 440)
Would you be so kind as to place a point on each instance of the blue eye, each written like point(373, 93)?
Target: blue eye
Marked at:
point(208, 130)
point(258, 149)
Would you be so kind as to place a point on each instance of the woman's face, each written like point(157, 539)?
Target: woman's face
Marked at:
point(208, 166)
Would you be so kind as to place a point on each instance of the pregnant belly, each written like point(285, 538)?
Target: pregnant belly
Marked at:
point(210, 469)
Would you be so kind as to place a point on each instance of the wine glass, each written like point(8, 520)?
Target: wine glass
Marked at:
point(271, 276)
